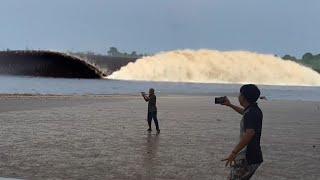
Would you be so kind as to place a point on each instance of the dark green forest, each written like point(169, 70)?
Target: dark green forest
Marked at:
point(307, 59)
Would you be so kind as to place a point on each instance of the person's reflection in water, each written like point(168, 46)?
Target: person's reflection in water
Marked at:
point(150, 156)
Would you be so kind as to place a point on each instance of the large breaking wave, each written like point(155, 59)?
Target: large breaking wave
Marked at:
point(47, 64)
point(209, 66)
point(59, 64)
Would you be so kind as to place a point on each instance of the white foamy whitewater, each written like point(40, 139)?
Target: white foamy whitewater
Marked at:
point(210, 66)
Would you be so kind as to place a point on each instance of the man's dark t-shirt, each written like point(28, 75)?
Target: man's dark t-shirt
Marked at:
point(152, 103)
point(252, 119)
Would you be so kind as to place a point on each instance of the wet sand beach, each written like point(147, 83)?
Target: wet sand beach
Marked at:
point(105, 137)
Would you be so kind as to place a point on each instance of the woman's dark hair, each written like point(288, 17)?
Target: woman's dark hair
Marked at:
point(251, 92)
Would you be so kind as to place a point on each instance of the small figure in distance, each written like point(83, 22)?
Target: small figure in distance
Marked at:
point(152, 109)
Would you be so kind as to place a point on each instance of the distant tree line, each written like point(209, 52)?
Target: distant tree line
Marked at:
point(307, 59)
point(113, 51)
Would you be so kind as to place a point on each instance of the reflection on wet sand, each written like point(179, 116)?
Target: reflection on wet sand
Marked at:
point(151, 149)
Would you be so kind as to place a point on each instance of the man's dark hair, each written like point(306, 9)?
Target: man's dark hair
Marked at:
point(251, 92)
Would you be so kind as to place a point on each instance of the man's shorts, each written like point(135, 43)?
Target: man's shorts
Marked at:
point(242, 170)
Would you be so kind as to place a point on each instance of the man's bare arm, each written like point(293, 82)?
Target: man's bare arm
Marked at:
point(146, 98)
point(238, 109)
point(245, 140)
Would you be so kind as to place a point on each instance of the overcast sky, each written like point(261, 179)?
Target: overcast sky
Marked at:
point(149, 26)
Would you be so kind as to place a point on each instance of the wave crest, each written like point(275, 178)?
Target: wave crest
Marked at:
point(210, 66)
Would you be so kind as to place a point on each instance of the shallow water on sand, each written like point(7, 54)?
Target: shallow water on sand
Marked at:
point(105, 137)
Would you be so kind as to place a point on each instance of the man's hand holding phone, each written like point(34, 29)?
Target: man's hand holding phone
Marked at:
point(226, 101)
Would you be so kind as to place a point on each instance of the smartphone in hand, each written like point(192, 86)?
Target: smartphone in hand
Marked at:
point(220, 100)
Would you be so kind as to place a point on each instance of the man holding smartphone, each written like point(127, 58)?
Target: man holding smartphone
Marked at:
point(152, 108)
point(246, 156)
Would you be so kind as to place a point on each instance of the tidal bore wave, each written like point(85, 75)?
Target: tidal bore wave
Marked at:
point(57, 64)
point(209, 66)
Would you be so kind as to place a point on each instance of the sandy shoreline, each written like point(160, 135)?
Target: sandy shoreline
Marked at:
point(104, 137)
